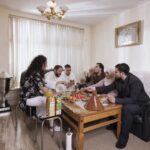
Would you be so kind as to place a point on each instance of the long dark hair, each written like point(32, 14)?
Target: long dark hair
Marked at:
point(36, 66)
point(101, 66)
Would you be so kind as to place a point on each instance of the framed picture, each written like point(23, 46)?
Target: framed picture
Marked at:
point(128, 35)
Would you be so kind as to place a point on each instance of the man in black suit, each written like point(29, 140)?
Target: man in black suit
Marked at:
point(131, 95)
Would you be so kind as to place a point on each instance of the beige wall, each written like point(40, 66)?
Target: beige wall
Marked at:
point(4, 63)
point(4, 37)
point(103, 40)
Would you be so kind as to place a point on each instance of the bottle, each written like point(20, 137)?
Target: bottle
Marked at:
point(50, 104)
point(58, 106)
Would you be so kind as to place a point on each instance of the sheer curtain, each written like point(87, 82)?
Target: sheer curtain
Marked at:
point(59, 43)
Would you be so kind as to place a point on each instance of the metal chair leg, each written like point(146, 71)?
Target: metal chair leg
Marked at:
point(60, 142)
point(42, 134)
point(36, 122)
point(16, 121)
point(30, 109)
point(53, 127)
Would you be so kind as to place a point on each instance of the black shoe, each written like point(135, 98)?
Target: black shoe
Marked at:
point(111, 127)
point(121, 144)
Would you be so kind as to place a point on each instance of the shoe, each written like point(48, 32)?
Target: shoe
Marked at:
point(57, 128)
point(120, 144)
point(111, 127)
point(34, 117)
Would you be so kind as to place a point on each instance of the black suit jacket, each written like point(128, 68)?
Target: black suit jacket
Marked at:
point(130, 91)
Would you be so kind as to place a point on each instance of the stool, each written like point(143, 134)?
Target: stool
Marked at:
point(41, 119)
point(46, 118)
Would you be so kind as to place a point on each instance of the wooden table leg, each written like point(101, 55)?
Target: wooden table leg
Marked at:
point(119, 125)
point(80, 141)
point(80, 136)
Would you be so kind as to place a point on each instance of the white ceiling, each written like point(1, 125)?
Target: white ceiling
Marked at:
point(80, 11)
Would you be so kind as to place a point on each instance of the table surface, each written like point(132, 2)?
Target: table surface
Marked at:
point(76, 109)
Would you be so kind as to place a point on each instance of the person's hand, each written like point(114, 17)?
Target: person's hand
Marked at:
point(65, 83)
point(62, 82)
point(44, 89)
point(82, 89)
point(90, 89)
point(91, 71)
point(72, 82)
point(68, 84)
point(111, 98)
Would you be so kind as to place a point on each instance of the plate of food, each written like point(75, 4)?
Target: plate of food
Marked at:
point(103, 99)
point(76, 96)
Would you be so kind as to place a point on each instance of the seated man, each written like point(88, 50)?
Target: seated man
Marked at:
point(52, 78)
point(131, 95)
point(69, 78)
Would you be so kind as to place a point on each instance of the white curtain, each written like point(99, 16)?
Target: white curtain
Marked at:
point(59, 43)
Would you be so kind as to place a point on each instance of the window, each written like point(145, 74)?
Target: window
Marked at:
point(59, 43)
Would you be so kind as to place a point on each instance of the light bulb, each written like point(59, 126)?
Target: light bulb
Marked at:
point(47, 10)
point(51, 4)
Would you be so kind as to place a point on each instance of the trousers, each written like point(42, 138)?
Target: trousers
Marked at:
point(128, 113)
point(39, 102)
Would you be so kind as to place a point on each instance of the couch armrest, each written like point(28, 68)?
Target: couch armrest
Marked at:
point(145, 113)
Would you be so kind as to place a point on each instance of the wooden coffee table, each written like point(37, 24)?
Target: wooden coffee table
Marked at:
point(84, 121)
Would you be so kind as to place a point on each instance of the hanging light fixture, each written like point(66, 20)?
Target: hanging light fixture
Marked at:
point(52, 11)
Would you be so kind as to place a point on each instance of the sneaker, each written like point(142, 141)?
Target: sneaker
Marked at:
point(34, 117)
point(57, 128)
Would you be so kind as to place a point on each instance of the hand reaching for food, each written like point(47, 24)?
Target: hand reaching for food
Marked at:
point(90, 89)
point(111, 98)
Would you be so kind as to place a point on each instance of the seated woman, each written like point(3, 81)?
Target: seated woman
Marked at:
point(109, 78)
point(33, 87)
point(97, 74)
point(94, 75)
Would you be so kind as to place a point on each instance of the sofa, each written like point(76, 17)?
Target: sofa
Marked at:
point(141, 124)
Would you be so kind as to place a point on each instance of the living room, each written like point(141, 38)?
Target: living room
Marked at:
point(83, 34)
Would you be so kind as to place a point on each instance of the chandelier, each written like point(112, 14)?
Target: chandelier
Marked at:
point(52, 11)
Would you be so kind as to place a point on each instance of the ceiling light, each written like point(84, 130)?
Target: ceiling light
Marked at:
point(52, 11)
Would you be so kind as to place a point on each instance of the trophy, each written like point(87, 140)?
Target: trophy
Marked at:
point(5, 79)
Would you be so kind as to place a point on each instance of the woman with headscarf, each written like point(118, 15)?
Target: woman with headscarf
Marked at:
point(109, 78)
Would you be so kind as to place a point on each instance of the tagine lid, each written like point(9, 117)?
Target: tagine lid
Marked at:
point(94, 103)
point(4, 75)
